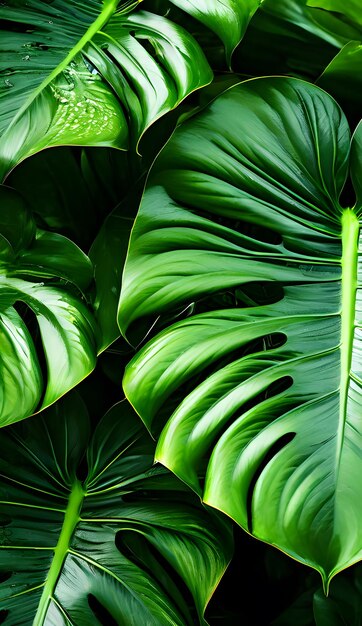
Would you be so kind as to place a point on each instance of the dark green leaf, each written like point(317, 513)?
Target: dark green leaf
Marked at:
point(108, 254)
point(289, 37)
point(342, 78)
point(126, 540)
point(351, 9)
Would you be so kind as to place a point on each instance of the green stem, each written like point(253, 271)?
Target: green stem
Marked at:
point(71, 518)
point(350, 234)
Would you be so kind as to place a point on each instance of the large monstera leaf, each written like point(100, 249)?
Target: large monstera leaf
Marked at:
point(99, 72)
point(47, 333)
point(118, 547)
point(241, 215)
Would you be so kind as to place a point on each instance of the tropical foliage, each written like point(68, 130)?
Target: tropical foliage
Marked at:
point(180, 216)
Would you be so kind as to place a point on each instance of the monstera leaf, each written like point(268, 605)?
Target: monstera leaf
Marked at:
point(40, 321)
point(127, 544)
point(241, 214)
point(99, 72)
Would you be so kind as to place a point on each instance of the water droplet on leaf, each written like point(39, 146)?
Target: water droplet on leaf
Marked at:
point(26, 58)
point(8, 83)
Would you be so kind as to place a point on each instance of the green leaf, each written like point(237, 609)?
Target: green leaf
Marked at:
point(241, 216)
point(342, 78)
point(108, 254)
point(307, 17)
point(351, 9)
point(228, 19)
point(128, 538)
point(55, 322)
point(98, 74)
point(289, 37)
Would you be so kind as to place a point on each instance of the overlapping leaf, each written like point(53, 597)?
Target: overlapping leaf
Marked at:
point(98, 72)
point(242, 207)
point(40, 320)
point(126, 545)
point(290, 37)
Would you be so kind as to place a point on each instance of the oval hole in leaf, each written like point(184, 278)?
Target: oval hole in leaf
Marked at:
point(262, 344)
point(100, 612)
point(4, 576)
point(254, 231)
point(30, 320)
point(278, 386)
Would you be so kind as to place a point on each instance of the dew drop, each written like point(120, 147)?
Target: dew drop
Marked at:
point(50, 22)
point(8, 83)
point(26, 58)
point(27, 45)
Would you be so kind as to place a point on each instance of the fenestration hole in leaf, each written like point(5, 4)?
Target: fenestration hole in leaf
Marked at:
point(4, 576)
point(254, 231)
point(247, 295)
point(3, 616)
point(100, 612)
point(261, 344)
point(30, 320)
point(279, 386)
point(272, 452)
point(274, 389)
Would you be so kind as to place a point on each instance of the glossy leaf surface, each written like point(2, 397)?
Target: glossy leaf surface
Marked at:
point(289, 37)
point(241, 215)
point(228, 19)
point(108, 254)
point(350, 10)
point(98, 73)
point(40, 320)
point(120, 546)
point(342, 78)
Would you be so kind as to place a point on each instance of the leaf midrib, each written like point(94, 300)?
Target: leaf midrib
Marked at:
point(349, 262)
point(71, 519)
